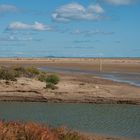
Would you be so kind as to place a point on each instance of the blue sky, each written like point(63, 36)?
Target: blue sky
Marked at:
point(87, 28)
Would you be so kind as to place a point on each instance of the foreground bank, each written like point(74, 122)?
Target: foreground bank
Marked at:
point(71, 89)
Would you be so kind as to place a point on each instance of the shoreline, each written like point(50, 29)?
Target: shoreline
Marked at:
point(73, 88)
point(59, 101)
point(69, 91)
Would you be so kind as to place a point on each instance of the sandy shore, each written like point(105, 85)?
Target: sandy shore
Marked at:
point(73, 88)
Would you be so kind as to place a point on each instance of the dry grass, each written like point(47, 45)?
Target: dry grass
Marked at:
point(33, 131)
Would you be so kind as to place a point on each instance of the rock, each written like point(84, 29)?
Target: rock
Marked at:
point(97, 87)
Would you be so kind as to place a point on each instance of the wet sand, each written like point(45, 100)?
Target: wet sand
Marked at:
point(118, 64)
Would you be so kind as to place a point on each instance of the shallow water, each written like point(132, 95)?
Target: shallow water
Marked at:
point(130, 78)
point(115, 120)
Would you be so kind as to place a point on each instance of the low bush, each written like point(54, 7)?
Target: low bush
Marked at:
point(26, 71)
point(51, 81)
point(54, 79)
point(6, 74)
point(11, 73)
point(42, 77)
point(18, 69)
point(31, 71)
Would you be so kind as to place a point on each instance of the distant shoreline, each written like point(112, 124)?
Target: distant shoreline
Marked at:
point(51, 57)
point(108, 64)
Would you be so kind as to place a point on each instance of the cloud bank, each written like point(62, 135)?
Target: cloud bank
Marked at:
point(4, 8)
point(76, 11)
point(23, 26)
point(91, 32)
point(119, 2)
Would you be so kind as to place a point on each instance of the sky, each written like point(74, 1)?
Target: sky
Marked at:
point(69, 28)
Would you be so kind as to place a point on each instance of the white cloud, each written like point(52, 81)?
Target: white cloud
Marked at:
point(22, 26)
point(14, 38)
point(119, 2)
point(7, 8)
point(95, 8)
point(75, 11)
point(91, 32)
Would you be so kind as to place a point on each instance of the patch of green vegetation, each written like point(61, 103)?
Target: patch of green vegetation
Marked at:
point(51, 81)
point(54, 79)
point(8, 74)
point(12, 73)
point(31, 71)
point(18, 69)
point(42, 77)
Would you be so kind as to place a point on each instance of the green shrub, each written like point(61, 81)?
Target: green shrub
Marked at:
point(31, 72)
point(42, 77)
point(54, 79)
point(6, 74)
point(19, 69)
point(11, 73)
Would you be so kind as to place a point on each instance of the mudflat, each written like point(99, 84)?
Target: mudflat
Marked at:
point(108, 64)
